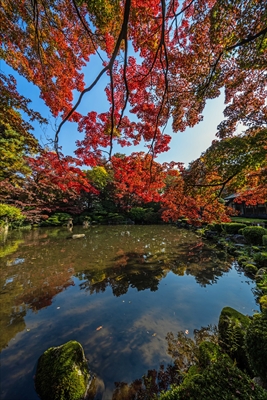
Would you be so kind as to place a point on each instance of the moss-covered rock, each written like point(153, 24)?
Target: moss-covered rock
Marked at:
point(250, 269)
point(262, 281)
point(242, 259)
point(260, 274)
point(232, 328)
point(261, 259)
point(62, 373)
point(221, 380)
point(256, 345)
point(263, 302)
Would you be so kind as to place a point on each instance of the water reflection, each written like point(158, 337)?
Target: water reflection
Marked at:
point(40, 264)
point(137, 282)
point(184, 352)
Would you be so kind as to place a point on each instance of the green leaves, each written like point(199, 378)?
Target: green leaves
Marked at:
point(10, 213)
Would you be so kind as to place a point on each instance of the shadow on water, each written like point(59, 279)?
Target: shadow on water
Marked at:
point(118, 291)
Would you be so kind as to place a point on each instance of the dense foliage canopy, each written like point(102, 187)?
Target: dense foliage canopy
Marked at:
point(164, 60)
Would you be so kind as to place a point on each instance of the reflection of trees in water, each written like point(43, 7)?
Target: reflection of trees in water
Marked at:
point(145, 388)
point(39, 264)
point(206, 263)
point(32, 276)
point(184, 352)
point(131, 274)
point(142, 270)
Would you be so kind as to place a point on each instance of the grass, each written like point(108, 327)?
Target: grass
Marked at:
point(249, 220)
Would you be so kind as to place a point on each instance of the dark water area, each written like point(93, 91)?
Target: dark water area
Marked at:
point(118, 291)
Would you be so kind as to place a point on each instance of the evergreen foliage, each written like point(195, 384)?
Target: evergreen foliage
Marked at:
point(256, 345)
point(253, 234)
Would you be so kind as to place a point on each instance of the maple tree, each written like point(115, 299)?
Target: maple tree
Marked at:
point(164, 60)
point(55, 184)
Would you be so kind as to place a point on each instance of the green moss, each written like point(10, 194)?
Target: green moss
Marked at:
point(263, 302)
point(250, 269)
point(232, 328)
point(221, 380)
point(62, 373)
point(242, 259)
point(256, 345)
point(262, 281)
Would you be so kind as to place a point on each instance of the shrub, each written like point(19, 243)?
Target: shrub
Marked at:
point(232, 328)
point(210, 353)
point(152, 217)
point(263, 302)
point(57, 219)
point(253, 234)
point(115, 218)
point(256, 345)
point(260, 259)
point(221, 380)
point(264, 240)
point(80, 219)
point(233, 227)
point(215, 227)
point(10, 214)
point(137, 214)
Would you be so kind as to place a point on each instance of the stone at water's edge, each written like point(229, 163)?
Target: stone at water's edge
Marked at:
point(62, 373)
point(78, 236)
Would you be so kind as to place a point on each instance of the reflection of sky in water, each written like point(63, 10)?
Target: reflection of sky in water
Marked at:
point(16, 261)
point(65, 291)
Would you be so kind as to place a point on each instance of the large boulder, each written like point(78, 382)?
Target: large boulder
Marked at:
point(232, 329)
point(62, 373)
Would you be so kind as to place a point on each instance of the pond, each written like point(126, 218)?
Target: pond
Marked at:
point(118, 291)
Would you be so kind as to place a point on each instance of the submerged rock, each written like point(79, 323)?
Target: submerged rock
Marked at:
point(239, 239)
point(62, 373)
point(78, 236)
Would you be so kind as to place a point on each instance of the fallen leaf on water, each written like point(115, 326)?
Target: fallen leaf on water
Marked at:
point(154, 334)
point(98, 329)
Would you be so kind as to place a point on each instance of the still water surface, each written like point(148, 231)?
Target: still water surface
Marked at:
point(118, 291)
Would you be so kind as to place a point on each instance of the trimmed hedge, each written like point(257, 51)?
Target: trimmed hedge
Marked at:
point(233, 227)
point(253, 234)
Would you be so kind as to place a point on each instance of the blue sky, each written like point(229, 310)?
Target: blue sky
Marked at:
point(185, 146)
